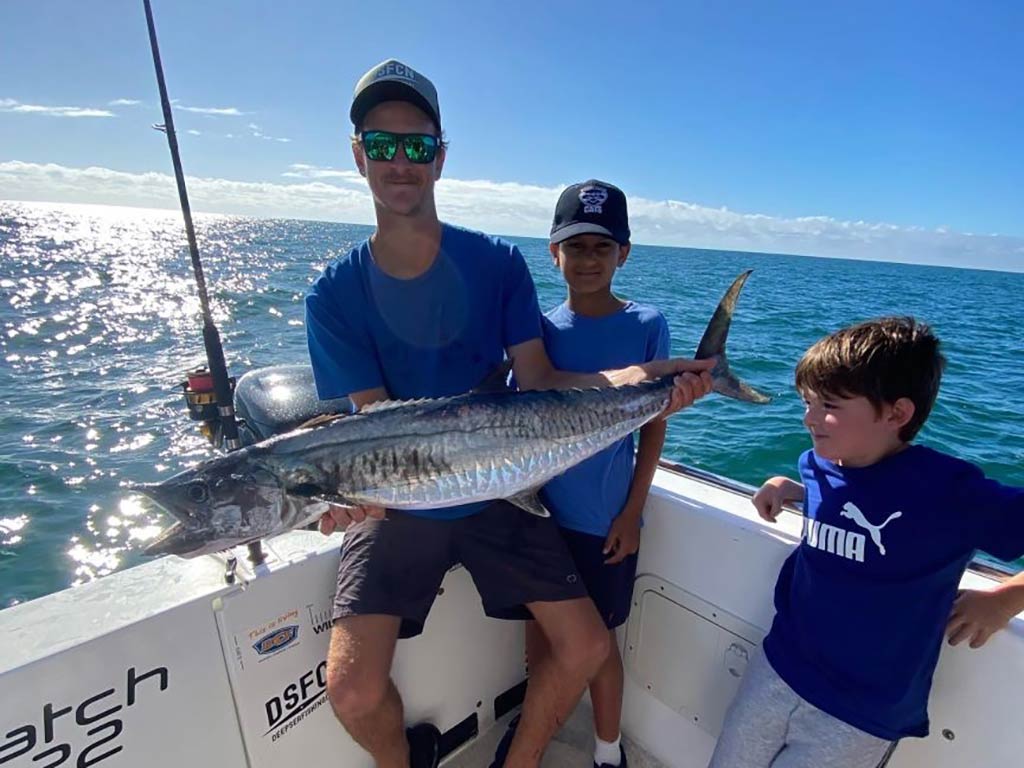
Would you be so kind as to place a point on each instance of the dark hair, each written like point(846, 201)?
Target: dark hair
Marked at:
point(882, 360)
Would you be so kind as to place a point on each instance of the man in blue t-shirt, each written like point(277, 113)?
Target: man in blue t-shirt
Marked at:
point(862, 603)
point(425, 309)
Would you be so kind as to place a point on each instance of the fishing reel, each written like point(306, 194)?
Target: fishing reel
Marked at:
point(201, 401)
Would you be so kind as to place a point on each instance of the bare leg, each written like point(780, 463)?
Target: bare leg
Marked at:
point(360, 688)
point(606, 694)
point(566, 646)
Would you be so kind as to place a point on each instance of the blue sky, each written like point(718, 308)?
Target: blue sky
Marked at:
point(899, 118)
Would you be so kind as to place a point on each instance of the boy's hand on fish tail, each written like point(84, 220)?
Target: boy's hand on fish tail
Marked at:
point(338, 517)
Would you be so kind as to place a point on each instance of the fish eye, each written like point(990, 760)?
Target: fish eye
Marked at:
point(198, 492)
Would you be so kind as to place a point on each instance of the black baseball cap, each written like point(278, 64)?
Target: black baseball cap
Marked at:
point(591, 208)
point(391, 80)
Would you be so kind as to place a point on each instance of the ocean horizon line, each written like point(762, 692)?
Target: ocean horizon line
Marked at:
point(197, 213)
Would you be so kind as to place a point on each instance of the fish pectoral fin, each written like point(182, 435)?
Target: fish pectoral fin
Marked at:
point(333, 498)
point(528, 501)
point(315, 493)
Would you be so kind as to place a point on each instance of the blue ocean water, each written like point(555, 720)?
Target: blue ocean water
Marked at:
point(99, 318)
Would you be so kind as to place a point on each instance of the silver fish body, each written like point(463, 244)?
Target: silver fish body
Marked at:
point(419, 454)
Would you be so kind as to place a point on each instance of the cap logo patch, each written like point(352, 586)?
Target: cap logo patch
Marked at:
point(395, 71)
point(593, 198)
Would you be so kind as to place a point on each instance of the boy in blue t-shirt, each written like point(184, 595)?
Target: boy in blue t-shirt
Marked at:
point(863, 602)
point(597, 504)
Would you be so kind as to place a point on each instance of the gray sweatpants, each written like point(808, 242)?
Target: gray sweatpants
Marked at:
point(768, 724)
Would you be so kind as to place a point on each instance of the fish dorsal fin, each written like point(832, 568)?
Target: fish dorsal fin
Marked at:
point(320, 420)
point(389, 405)
point(528, 501)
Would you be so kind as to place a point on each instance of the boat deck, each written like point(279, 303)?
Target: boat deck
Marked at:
point(572, 747)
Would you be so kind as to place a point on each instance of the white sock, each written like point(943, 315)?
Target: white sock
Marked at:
point(607, 752)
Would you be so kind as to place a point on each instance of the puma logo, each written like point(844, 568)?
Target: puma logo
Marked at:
point(851, 511)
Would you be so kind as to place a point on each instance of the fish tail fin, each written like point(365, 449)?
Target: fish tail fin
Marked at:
point(712, 344)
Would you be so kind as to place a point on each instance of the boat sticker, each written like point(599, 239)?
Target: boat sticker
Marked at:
point(296, 702)
point(276, 640)
point(320, 618)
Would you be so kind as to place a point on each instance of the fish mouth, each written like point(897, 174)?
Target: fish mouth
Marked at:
point(170, 541)
point(154, 493)
point(167, 543)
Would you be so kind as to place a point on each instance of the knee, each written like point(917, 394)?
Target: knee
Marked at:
point(586, 656)
point(353, 695)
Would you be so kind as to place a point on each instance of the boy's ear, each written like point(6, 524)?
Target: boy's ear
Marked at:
point(623, 253)
point(553, 247)
point(901, 412)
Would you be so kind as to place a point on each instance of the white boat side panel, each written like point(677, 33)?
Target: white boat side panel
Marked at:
point(276, 635)
point(154, 693)
point(461, 652)
point(975, 708)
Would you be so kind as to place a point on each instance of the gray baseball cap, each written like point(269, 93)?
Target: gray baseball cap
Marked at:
point(392, 80)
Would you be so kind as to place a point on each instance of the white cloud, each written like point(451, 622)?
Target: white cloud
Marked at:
point(304, 171)
point(314, 192)
point(194, 132)
point(123, 103)
point(258, 133)
point(10, 105)
point(219, 111)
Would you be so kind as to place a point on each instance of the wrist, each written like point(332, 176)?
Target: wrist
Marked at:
point(1010, 597)
point(791, 490)
point(631, 512)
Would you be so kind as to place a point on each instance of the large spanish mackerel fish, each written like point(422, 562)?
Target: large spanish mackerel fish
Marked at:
point(417, 454)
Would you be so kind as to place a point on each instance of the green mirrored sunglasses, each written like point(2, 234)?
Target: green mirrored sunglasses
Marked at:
point(383, 145)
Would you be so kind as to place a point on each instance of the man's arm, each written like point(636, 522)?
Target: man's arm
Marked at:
point(533, 370)
point(624, 537)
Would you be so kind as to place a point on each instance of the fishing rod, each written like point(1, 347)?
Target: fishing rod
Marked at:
point(199, 382)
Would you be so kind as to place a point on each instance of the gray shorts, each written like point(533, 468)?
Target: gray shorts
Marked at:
point(395, 566)
point(768, 724)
